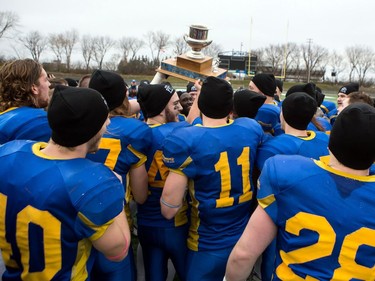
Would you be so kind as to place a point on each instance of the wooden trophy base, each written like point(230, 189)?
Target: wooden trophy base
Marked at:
point(190, 69)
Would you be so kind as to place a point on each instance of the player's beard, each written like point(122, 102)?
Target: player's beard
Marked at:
point(170, 116)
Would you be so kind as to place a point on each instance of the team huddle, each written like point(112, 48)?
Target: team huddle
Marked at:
point(215, 181)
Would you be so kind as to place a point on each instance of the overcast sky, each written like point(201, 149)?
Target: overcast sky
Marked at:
point(334, 24)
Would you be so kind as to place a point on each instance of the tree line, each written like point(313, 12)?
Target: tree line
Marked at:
point(124, 54)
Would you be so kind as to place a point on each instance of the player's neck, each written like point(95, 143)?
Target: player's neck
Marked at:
point(156, 120)
point(269, 100)
point(295, 132)
point(60, 152)
point(211, 122)
point(335, 164)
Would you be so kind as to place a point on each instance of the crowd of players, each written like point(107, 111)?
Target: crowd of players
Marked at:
point(211, 180)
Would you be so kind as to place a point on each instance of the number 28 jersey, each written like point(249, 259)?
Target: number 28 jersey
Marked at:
point(325, 219)
point(218, 161)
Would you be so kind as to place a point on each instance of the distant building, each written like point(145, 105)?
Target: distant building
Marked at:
point(238, 62)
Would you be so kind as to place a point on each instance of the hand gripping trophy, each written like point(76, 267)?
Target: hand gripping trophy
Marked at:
point(194, 64)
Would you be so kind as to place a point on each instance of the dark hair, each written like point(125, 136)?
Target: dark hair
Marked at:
point(360, 97)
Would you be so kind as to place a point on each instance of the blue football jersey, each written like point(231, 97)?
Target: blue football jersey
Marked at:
point(323, 121)
point(149, 213)
point(24, 123)
point(314, 146)
point(124, 145)
point(325, 219)
point(218, 162)
point(50, 209)
point(268, 117)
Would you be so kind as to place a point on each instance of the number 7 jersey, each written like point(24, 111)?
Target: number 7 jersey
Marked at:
point(218, 161)
point(325, 219)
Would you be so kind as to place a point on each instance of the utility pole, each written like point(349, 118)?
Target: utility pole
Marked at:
point(309, 41)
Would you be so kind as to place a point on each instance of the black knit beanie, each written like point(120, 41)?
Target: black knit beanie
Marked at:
point(308, 88)
point(75, 115)
point(153, 98)
point(352, 137)
point(266, 83)
point(110, 85)
point(349, 88)
point(246, 103)
point(216, 98)
point(298, 109)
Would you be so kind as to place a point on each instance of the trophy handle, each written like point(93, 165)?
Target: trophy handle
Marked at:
point(185, 38)
point(207, 43)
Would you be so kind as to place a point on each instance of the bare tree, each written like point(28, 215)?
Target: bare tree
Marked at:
point(361, 60)
point(157, 41)
point(180, 46)
point(353, 56)
point(273, 56)
point(112, 63)
point(35, 43)
point(102, 45)
point(71, 38)
point(125, 47)
point(130, 45)
point(56, 44)
point(161, 41)
point(365, 63)
point(313, 55)
point(292, 57)
point(136, 46)
point(150, 42)
point(8, 22)
point(338, 64)
point(213, 50)
point(88, 50)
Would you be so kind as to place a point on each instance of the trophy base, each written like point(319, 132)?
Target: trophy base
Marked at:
point(195, 55)
point(190, 69)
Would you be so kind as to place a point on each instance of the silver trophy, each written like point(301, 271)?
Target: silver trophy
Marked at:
point(197, 40)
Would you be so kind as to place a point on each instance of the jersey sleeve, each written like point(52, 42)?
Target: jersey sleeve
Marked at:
point(176, 154)
point(268, 189)
point(98, 198)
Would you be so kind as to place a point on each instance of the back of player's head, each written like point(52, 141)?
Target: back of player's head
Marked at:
point(298, 109)
point(308, 88)
point(279, 84)
point(110, 85)
point(266, 83)
point(353, 136)
point(216, 98)
point(75, 115)
point(153, 98)
point(246, 103)
point(16, 81)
